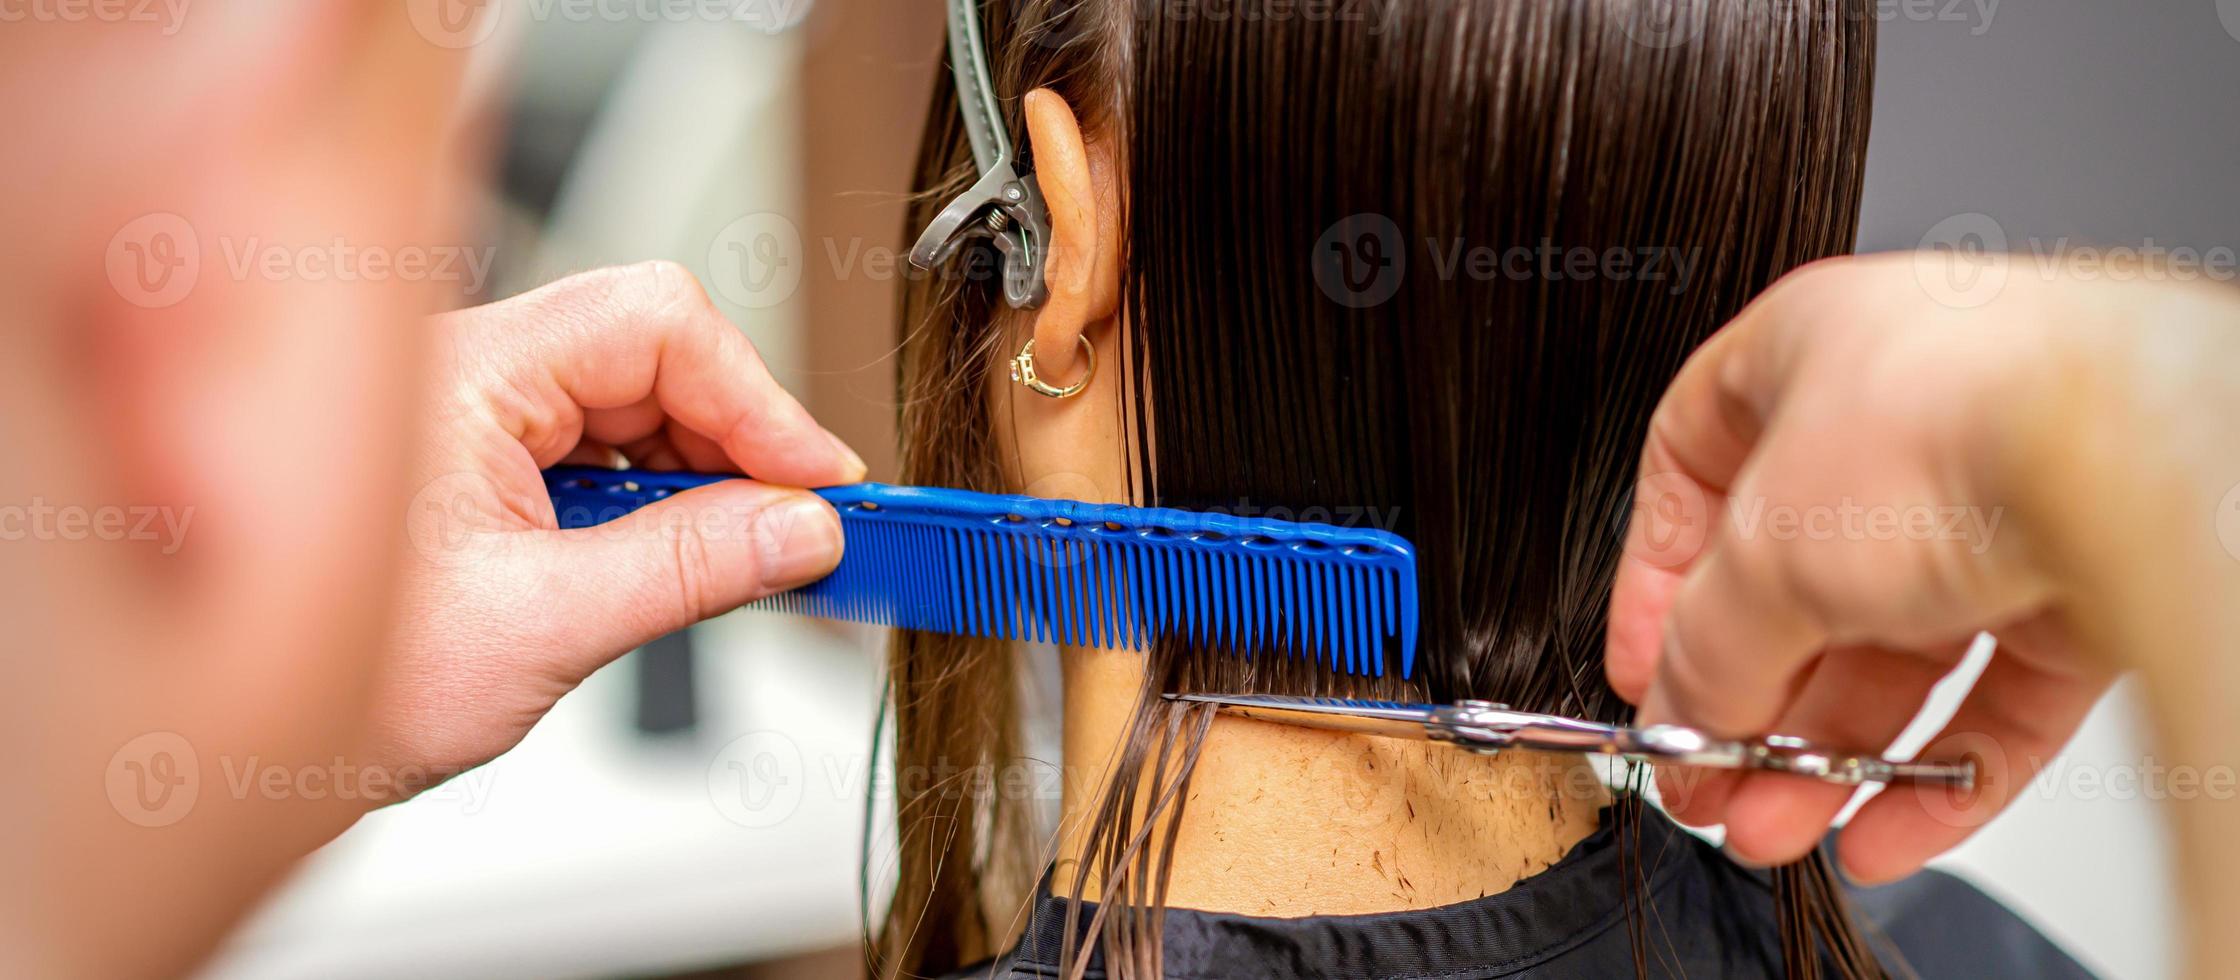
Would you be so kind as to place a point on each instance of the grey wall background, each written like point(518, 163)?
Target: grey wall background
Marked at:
point(2108, 121)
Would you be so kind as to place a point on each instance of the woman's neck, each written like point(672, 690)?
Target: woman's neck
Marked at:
point(1287, 822)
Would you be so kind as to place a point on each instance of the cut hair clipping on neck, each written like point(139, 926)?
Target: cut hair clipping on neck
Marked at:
point(1005, 205)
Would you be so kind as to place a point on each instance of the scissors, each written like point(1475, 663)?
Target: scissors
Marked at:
point(1485, 728)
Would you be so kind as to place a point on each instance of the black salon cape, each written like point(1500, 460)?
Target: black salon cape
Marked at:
point(1710, 919)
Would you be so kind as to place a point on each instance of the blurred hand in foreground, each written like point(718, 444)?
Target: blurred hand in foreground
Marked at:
point(1851, 480)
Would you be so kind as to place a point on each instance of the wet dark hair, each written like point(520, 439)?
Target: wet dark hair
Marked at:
point(1431, 261)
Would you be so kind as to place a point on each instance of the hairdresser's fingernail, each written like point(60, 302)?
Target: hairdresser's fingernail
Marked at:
point(801, 542)
point(856, 468)
point(1738, 858)
point(1862, 879)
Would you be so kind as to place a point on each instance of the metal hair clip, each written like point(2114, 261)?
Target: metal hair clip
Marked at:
point(1485, 727)
point(1005, 204)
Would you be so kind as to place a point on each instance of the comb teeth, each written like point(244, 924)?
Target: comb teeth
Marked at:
point(1104, 575)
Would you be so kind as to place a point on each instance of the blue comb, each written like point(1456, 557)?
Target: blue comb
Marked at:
point(1063, 571)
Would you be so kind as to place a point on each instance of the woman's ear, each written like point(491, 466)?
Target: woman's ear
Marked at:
point(1072, 448)
point(1083, 262)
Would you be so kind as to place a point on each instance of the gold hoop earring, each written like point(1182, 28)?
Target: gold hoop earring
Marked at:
point(1022, 371)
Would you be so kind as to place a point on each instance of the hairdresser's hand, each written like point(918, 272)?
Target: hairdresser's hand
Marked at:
point(1851, 480)
point(502, 613)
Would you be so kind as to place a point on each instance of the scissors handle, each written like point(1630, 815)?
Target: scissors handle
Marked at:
point(1488, 727)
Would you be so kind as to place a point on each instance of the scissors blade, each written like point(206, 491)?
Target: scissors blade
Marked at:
point(1479, 726)
point(1387, 718)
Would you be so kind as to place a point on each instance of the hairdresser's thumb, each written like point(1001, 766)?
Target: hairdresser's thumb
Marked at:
point(683, 559)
